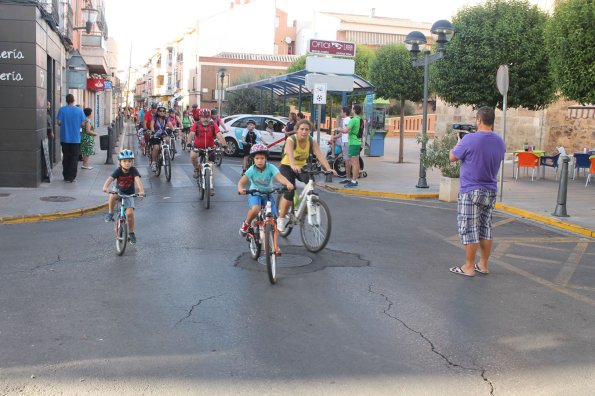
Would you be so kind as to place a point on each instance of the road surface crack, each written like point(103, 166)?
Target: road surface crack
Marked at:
point(432, 346)
point(189, 313)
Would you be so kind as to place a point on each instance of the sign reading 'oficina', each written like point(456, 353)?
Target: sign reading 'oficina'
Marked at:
point(11, 76)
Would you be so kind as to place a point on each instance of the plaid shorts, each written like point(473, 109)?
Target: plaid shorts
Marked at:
point(474, 215)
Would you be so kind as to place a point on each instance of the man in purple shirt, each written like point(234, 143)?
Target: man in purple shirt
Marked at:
point(481, 154)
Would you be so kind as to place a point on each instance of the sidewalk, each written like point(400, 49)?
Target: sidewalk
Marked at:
point(59, 199)
point(534, 200)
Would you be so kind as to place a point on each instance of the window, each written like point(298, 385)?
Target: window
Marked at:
point(243, 122)
point(277, 125)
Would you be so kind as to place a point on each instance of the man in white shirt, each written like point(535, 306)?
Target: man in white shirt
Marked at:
point(345, 144)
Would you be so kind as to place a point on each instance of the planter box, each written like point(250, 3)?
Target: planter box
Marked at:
point(449, 189)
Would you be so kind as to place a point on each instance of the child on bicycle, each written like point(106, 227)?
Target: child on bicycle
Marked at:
point(126, 176)
point(260, 175)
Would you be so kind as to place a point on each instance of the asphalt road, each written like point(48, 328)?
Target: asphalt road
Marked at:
point(186, 311)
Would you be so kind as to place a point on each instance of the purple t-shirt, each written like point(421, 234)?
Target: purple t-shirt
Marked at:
point(480, 154)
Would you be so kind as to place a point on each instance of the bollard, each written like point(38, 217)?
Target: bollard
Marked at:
point(109, 160)
point(562, 190)
point(328, 178)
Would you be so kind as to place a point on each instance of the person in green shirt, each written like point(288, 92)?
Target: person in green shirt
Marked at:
point(355, 144)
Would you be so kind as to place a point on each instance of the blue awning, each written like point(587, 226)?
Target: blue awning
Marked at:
point(291, 84)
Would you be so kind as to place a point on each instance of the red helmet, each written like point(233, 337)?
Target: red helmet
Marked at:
point(204, 113)
point(259, 148)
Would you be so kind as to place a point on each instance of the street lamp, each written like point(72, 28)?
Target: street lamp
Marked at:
point(90, 16)
point(221, 74)
point(442, 32)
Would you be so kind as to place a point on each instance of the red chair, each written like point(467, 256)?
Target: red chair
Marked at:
point(527, 160)
point(591, 169)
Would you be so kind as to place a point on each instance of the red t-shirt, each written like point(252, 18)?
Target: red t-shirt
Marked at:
point(205, 135)
point(195, 114)
point(148, 117)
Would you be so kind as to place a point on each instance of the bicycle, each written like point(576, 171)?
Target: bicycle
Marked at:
point(121, 222)
point(163, 158)
point(184, 138)
point(173, 136)
point(311, 213)
point(218, 154)
point(205, 175)
point(264, 229)
point(338, 163)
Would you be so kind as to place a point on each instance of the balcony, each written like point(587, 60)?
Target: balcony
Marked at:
point(94, 53)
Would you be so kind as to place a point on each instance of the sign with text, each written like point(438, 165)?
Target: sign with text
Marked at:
point(337, 48)
point(108, 85)
point(95, 84)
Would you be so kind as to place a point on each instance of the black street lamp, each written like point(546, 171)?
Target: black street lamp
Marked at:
point(90, 15)
point(442, 32)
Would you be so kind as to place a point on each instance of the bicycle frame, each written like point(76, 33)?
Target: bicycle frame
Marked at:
point(203, 163)
point(306, 204)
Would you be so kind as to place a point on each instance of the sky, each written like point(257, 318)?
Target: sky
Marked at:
point(162, 21)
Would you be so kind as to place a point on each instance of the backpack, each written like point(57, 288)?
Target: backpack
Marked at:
point(360, 132)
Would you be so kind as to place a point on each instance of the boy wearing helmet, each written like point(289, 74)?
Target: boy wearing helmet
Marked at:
point(126, 177)
point(260, 175)
point(249, 137)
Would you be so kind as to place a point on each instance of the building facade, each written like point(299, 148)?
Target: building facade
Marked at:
point(42, 56)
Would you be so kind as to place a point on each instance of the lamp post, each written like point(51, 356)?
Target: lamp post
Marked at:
point(442, 32)
point(90, 14)
point(221, 74)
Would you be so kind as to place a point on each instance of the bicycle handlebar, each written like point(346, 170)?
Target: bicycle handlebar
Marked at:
point(119, 194)
point(260, 192)
point(201, 150)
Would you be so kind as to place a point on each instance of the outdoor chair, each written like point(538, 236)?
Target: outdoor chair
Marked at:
point(527, 160)
point(591, 170)
point(581, 161)
point(550, 161)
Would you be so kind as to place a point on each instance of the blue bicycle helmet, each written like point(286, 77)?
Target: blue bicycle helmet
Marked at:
point(125, 154)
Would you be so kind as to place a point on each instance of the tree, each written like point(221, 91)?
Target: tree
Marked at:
point(244, 101)
point(570, 40)
point(487, 36)
point(364, 57)
point(394, 76)
point(298, 64)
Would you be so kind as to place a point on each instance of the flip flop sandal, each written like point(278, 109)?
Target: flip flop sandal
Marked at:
point(459, 271)
point(480, 270)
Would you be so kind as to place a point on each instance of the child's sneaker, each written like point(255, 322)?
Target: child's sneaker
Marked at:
point(109, 217)
point(132, 237)
point(244, 230)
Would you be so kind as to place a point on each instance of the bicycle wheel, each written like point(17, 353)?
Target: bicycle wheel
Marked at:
point(172, 149)
point(159, 163)
point(167, 165)
point(255, 243)
point(339, 166)
point(207, 191)
point(315, 225)
point(269, 251)
point(289, 216)
point(121, 235)
point(201, 190)
point(218, 158)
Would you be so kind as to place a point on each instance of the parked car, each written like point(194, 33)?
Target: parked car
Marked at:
point(275, 140)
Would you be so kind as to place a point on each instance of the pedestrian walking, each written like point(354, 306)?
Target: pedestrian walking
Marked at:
point(481, 154)
point(50, 134)
point(70, 119)
point(87, 139)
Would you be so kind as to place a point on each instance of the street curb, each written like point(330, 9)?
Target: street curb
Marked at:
point(380, 193)
point(546, 220)
point(66, 214)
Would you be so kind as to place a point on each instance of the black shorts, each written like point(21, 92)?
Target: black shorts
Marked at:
point(290, 175)
point(247, 147)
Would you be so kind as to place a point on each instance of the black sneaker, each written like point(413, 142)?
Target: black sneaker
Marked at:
point(132, 237)
point(109, 217)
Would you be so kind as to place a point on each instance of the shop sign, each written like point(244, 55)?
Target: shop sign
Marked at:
point(95, 84)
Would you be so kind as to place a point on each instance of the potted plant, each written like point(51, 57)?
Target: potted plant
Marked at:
point(437, 156)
